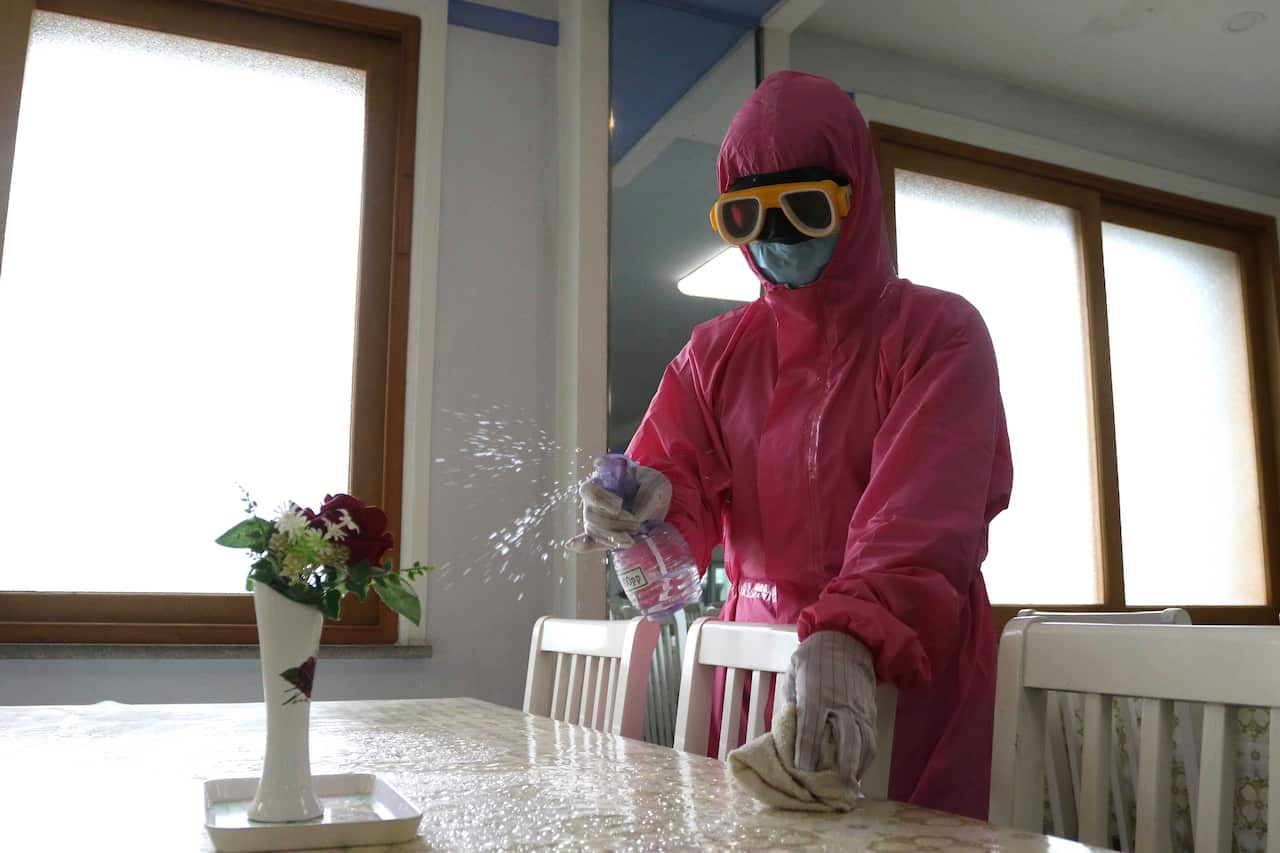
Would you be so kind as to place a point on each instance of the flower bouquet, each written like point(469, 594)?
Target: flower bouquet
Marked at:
point(316, 558)
point(305, 562)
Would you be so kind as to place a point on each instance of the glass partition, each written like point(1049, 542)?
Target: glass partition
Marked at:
point(678, 76)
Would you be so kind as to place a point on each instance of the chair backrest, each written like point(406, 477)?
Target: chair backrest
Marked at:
point(1064, 747)
point(1218, 666)
point(593, 672)
point(754, 656)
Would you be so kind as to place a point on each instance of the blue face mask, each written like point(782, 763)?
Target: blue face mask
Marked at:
point(794, 264)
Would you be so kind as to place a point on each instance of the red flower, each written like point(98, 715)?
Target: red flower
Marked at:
point(370, 542)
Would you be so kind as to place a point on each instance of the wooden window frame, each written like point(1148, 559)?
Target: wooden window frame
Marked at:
point(386, 46)
point(1099, 199)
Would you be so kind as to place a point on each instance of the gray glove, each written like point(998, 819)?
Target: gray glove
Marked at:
point(606, 525)
point(832, 683)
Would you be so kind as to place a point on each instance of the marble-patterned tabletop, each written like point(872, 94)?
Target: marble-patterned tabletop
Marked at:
point(129, 777)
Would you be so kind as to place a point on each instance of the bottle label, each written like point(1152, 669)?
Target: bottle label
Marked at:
point(633, 579)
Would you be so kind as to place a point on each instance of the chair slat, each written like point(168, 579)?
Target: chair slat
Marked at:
point(1071, 705)
point(1216, 801)
point(1188, 721)
point(1155, 777)
point(1062, 801)
point(662, 663)
point(732, 711)
point(1125, 807)
point(558, 687)
point(779, 692)
point(571, 695)
point(1119, 800)
point(1095, 771)
point(611, 703)
point(588, 673)
point(598, 718)
point(756, 712)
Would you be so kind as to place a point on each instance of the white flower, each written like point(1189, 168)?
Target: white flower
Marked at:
point(345, 521)
point(336, 531)
point(291, 522)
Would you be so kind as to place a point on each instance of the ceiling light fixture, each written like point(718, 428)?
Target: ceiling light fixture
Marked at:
point(725, 276)
point(1242, 21)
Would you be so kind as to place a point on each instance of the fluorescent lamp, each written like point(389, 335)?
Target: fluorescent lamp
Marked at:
point(726, 276)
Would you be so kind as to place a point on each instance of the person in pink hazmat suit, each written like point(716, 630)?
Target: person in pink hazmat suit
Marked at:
point(844, 438)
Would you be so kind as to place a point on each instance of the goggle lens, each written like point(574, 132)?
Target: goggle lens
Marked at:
point(740, 217)
point(809, 209)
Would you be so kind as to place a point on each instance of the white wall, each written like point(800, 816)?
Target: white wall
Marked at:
point(495, 345)
point(493, 323)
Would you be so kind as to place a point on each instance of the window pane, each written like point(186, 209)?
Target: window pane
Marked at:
point(178, 294)
point(1018, 261)
point(1184, 422)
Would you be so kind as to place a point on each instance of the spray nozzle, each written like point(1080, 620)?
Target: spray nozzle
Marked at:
point(617, 474)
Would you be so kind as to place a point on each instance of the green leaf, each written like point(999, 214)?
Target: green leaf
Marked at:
point(252, 533)
point(263, 570)
point(332, 603)
point(299, 592)
point(416, 570)
point(399, 596)
point(357, 580)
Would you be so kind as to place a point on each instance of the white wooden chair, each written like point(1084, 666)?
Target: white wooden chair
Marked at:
point(761, 654)
point(1063, 747)
point(1218, 666)
point(591, 672)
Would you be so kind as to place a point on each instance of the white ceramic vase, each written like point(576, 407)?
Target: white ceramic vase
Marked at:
point(288, 640)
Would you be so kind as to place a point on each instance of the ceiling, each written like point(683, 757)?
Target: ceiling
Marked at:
point(661, 50)
point(1167, 62)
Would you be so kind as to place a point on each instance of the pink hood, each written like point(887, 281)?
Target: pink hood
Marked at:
point(796, 120)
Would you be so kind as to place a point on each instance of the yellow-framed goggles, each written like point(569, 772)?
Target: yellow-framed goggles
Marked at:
point(815, 208)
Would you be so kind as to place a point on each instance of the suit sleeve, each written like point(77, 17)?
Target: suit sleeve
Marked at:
point(940, 472)
point(679, 437)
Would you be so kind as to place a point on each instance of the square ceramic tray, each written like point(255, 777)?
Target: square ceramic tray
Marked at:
point(359, 809)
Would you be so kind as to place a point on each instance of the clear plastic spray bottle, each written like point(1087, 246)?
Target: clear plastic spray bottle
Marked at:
point(657, 573)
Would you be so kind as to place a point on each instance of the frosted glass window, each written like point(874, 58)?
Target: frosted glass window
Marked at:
point(1189, 504)
point(1018, 261)
point(177, 303)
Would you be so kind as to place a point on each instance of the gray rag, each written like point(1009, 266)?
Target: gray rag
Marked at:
point(765, 768)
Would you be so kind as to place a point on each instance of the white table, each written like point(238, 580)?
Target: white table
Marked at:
point(116, 777)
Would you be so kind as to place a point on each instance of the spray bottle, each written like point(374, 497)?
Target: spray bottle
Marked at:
point(657, 573)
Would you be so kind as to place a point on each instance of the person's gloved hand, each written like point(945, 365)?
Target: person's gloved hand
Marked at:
point(606, 525)
point(832, 683)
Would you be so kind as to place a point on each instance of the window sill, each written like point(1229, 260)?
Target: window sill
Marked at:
point(121, 651)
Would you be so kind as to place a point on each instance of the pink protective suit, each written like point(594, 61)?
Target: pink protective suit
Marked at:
point(846, 443)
